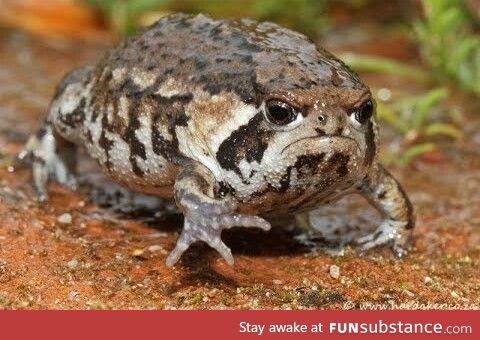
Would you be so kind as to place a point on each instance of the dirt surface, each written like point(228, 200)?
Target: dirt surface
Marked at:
point(73, 253)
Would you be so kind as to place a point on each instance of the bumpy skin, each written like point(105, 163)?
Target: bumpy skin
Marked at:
point(179, 111)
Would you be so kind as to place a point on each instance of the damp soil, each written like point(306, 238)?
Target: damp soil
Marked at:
point(76, 253)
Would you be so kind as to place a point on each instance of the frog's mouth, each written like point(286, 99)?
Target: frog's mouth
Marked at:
point(328, 139)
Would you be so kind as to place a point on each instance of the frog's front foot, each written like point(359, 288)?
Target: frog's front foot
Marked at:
point(389, 233)
point(50, 157)
point(205, 216)
point(206, 225)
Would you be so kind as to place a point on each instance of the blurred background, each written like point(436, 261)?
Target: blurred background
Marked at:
point(421, 58)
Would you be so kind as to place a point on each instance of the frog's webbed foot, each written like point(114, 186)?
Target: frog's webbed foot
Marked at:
point(206, 217)
point(386, 194)
point(49, 157)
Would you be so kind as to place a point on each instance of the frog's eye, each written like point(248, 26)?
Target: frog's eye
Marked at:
point(363, 113)
point(280, 113)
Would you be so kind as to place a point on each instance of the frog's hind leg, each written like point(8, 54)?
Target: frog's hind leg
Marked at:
point(50, 156)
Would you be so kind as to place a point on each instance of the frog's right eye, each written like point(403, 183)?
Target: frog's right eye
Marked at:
point(280, 113)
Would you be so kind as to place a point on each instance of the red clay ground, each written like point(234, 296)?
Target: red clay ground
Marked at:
point(101, 260)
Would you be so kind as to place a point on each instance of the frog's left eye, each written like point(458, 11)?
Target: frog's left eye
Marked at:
point(363, 113)
point(280, 113)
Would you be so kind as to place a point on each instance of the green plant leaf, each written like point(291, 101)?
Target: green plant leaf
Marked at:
point(449, 43)
point(414, 151)
point(383, 65)
point(136, 7)
point(443, 129)
point(425, 104)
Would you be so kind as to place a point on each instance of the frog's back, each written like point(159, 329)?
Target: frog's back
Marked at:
point(224, 55)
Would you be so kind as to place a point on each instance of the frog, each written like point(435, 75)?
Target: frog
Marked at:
point(238, 122)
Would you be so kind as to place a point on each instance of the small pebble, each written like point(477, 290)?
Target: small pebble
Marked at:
point(73, 294)
point(454, 294)
point(154, 248)
point(138, 252)
point(427, 280)
point(334, 271)
point(65, 218)
point(277, 282)
point(72, 264)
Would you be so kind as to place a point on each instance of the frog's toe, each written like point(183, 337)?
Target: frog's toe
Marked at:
point(217, 244)
point(183, 243)
point(64, 176)
point(246, 221)
point(40, 179)
point(389, 233)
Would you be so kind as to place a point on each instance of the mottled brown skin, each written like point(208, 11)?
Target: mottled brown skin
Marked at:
point(232, 119)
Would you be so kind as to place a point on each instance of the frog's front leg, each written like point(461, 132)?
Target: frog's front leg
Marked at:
point(382, 190)
point(205, 215)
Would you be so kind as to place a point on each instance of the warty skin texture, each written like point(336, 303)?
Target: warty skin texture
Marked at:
point(237, 121)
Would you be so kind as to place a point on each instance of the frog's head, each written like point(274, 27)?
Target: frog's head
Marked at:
point(323, 119)
point(323, 135)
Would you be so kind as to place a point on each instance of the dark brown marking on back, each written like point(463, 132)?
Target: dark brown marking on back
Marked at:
point(105, 143)
point(75, 118)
